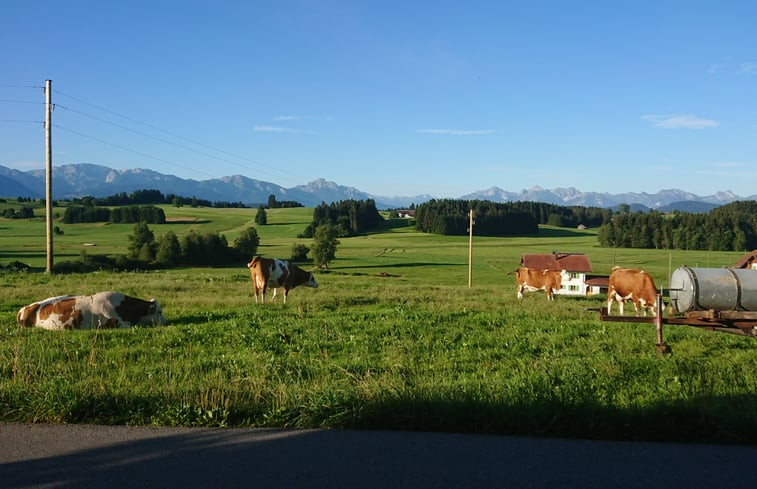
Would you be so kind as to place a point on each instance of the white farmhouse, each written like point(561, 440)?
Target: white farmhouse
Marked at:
point(578, 267)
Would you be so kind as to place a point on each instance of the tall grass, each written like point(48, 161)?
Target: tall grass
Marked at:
point(392, 338)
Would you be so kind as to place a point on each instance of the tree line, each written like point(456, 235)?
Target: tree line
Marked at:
point(564, 216)
point(348, 217)
point(129, 214)
point(732, 227)
point(25, 212)
point(451, 217)
point(155, 197)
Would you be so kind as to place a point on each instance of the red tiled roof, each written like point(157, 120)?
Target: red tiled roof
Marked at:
point(746, 260)
point(598, 281)
point(571, 262)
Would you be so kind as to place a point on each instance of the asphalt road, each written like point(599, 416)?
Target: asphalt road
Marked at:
point(82, 456)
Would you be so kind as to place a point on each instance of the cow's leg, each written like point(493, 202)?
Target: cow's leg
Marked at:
point(621, 303)
point(520, 292)
point(274, 294)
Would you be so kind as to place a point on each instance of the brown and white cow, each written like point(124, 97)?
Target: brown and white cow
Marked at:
point(531, 280)
point(637, 286)
point(101, 310)
point(272, 272)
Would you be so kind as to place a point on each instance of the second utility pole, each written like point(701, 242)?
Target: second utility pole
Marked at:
point(470, 249)
point(49, 173)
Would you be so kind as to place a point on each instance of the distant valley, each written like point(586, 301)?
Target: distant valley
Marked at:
point(77, 180)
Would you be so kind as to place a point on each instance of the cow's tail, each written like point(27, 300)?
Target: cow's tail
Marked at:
point(253, 262)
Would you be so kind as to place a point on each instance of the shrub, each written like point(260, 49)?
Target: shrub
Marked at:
point(300, 252)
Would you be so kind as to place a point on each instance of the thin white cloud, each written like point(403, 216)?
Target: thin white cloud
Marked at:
point(456, 132)
point(730, 164)
point(680, 121)
point(279, 129)
point(748, 68)
point(292, 118)
point(289, 118)
point(716, 67)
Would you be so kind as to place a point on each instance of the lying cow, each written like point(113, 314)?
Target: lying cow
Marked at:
point(637, 286)
point(531, 280)
point(101, 310)
point(272, 272)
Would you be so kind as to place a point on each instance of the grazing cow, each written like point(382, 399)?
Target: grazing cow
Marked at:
point(101, 310)
point(272, 272)
point(531, 280)
point(634, 285)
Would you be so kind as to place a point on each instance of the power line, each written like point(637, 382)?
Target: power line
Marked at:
point(20, 101)
point(144, 134)
point(10, 85)
point(178, 136)
point(18, 120)
point(124, 148)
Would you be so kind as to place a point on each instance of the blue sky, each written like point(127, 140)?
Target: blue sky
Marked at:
point(391, 97)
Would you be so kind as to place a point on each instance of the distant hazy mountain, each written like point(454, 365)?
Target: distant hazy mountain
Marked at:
point(99, 181)
point(694, 207)
point(572, 196)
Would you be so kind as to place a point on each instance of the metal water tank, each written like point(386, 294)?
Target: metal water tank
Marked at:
point(723, 289)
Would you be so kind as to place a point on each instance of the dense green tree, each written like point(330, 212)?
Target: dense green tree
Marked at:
point(141, 242)
point(325, 244)
point(246, 245)
point(261, 217)
point(168, 250)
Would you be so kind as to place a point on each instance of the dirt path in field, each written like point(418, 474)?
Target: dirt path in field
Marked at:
point(81, 456)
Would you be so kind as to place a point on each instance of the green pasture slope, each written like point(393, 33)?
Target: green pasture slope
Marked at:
point(392, 339)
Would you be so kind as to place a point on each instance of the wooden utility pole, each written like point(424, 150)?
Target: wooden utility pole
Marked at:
point(470, 248)
point(49, 173)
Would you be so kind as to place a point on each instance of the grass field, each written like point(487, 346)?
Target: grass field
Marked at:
point(392, 338)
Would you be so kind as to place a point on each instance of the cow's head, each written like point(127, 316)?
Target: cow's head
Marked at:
point(564, 276)
point(155, 313)
point(311, 281)
point(26, 315)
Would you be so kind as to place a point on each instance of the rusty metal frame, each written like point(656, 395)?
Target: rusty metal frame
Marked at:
point(736, 322)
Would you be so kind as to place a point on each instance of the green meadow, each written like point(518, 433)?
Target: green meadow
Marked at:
point(393, 338)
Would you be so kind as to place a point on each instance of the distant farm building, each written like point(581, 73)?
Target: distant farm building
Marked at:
point(406, 213)
point(581, 281)
point(747, 261)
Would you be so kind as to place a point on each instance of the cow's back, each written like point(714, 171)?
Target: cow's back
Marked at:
point(628, 280)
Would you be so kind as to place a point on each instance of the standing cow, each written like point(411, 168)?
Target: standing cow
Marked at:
point(637, 286)
point(272, 272)
point(101, 310)
point(531, 280)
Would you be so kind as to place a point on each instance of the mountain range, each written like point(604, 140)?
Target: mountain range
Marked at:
point(84, 179)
